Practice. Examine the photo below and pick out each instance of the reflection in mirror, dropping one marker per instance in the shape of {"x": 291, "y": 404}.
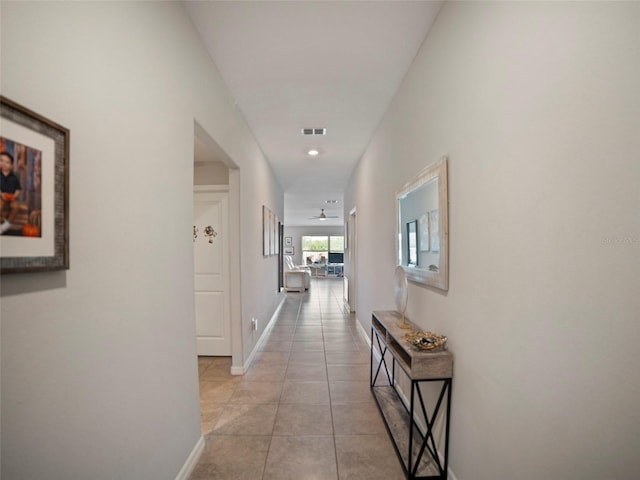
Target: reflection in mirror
{"x": 412, "y": 236}
{"x": 422, "y": 213}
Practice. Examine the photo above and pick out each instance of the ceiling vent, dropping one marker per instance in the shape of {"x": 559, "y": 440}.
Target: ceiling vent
{"x": 314, "y": 131}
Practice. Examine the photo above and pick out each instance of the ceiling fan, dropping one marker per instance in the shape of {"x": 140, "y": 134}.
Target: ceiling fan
{"x": 323, "y": 216}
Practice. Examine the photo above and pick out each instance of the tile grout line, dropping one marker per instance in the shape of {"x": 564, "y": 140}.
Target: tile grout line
{"x": 273, "y": 428}
{"x": 322, "y": 306}
{"x": 333, "y": 430}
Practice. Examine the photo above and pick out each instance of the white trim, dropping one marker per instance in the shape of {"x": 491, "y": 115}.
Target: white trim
{"x": 245, "y": 368}
{"x": 235, "y": 279}
{"x": 192, "y": 460}
{"x": 211, "y": 188}
{"x": 363, "y": 332}
{"x": 235, "y": 215}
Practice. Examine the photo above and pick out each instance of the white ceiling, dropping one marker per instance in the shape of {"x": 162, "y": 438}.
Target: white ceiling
{"x": 312, "y": 64}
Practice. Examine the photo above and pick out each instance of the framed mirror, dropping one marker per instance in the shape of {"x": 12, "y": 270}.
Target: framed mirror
{"x": 422, "y": 211}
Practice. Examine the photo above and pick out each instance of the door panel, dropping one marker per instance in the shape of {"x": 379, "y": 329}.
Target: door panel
{"x": 209, "y": 305}
{"x": 211, "y": 274}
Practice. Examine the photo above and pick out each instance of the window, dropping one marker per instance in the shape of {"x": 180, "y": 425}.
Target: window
{"x": 336, "y": 249}
{"x": 317, "y": 248}
{"x": 336, "y": 244}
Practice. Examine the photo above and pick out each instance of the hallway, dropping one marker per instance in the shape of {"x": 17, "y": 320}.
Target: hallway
{"x": 304, "y": 410}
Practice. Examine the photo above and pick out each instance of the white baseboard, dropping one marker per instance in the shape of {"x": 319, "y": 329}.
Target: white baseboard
{"x": 245, "y": 368}
{"x": 192, "y": 460}
{"x": 362, "y": 331}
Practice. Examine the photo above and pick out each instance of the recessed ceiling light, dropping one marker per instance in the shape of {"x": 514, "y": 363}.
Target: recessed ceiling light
{"x": 313, "y": 152}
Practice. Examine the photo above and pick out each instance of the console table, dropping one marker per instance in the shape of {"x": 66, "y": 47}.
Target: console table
{"x": 415, "y": 444}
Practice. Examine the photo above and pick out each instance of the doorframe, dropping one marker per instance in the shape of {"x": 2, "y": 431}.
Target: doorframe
{"x": 353, "y": 260}
{"x": 237, "y": 356}
{"x": 280, "y": 256}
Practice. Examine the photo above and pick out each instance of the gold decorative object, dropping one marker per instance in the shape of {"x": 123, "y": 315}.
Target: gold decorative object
{"x": 210, "y": 232}
{"x": 426, "y": 341}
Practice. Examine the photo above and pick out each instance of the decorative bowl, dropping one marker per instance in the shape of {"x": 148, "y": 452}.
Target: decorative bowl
{"x": 426, "y": 341}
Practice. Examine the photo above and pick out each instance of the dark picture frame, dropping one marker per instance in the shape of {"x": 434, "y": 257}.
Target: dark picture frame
{"x": 289, "y": 250}
{"x": 47, "y": 249}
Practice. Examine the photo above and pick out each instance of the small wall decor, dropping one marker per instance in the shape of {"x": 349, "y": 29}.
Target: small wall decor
{"x": 195, "y": 233}
{"x": 434, "y": 230}
{"x": 289, "y": 250}
{"x": 274, "y": 234}
{"x": 210, "y": 233}
{"x": 35, "y": 208}
{"x": 288, "y": 241}
{"x": 270, "y": 233}
{"x": 423, "y": 234}
{"x": 266, "y": 229}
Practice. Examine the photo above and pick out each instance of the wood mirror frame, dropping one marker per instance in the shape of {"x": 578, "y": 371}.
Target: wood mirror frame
{"x": 425, "y": 200}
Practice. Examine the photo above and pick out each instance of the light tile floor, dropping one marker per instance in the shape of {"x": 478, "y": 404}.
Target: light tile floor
{"x": 303, "y": 410}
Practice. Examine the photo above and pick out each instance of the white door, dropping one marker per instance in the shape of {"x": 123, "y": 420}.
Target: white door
{"x": 211, "y": 269}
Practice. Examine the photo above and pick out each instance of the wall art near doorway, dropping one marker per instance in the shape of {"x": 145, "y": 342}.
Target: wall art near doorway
{"x": 270, "y": 232}
{"x": 35, "y": 191}
{"x": 266, "y": 231}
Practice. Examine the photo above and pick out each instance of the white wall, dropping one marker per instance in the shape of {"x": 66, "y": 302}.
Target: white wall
{"x": 210, "y": 173}
{"x": 99, "y": 371}
{"x": 538, "y": 106}
{"x": 296, "y": 234}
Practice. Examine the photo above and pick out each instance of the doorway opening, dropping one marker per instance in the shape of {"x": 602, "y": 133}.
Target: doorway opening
{"x": 351, "y": 277}
{"x": 216, "y": 211}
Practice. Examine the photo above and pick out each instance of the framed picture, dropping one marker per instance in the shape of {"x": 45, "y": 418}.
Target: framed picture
{"x": 34, "y": 199}
{"x": 289, "y": 250}
{"x": 434, "y": 230}
{"x": 272, "y": 234}
{"x": 288, "y": 241}
{"x": 276, "y": 233}
{"x": 412, "y": 243}
{"x": 423, "y": 222}
{"x": 266, "y": 231}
